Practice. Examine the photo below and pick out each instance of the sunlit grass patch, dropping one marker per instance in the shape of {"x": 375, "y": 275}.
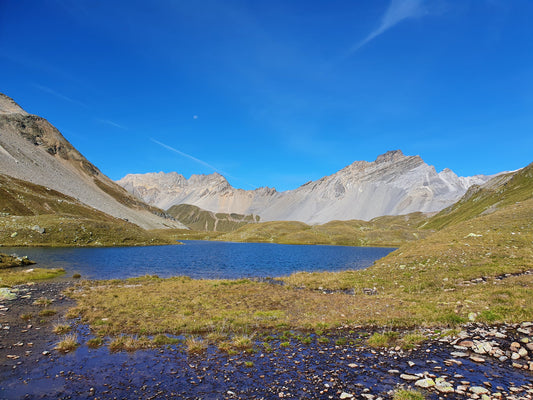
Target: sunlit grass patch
{"x": 129, "y": 343}
{"x": 242, "y": 342}
{"x": 68, "y": 343}
{"x": 219, "y": 310}
{"x": 411, "y": 340}
{"x": 61, "y": 329}
{"x": 385, "y": 339}
{"x": 19, "y": 277}
{"x": 47, "y": 312}
{"x": 195, "y": 344}
{"x": 408, "y": 395}
{"x": 407, "y": 341}
{"x": 42, "y": 301}
{"x": 95, "y": 342}
{"x": 161, "y": 340}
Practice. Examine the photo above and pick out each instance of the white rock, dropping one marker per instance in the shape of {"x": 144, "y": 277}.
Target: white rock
{"x": 459, "y": 354}
{"x": 394, "y": 184}
{"x": 479, "y": 390}
{"x": 409, "y": 377}
{"x": 425, "y": 383}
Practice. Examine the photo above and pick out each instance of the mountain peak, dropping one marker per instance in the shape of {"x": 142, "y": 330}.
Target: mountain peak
{"x": 389, "y": 156}
{"x": 9, "y": 106}
{"x": 393, "y": 184}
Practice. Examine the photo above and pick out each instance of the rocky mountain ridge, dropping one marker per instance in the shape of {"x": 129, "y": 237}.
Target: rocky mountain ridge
{"x": 32, "y": 150}
{"x": 393, "y": 184}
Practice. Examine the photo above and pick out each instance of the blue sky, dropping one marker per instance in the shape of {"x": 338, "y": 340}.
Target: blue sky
{"x": 276, "y": 93}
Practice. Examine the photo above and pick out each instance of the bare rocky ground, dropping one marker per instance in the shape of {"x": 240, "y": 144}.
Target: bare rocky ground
{"x": 479, "y": 362}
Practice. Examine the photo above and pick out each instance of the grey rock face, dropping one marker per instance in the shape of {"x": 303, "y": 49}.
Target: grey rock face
{"x": 393, "y": 184}
{"x": 33, "y": 150}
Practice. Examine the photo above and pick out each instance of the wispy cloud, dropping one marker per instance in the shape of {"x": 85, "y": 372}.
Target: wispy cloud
{"x": 109, "y": 122}
{"x": 181, "y": 153}
{"x": 398, "y": 11}
{"x": 205, "y": 164}
{"x": 59, "y": 95}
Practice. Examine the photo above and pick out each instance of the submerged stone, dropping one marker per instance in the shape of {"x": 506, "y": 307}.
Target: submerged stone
{"x": 7, "y": 294}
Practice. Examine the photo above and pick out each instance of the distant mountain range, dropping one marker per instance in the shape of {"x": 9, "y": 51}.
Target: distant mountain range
{"x": 393, "y": 184}
{"x": 32, "y": 150}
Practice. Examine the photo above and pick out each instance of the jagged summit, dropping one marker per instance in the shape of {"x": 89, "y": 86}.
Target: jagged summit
{"x": 393, "y": 184}
{"x": 9, "y": 106}
{"x": 390, "y": 156}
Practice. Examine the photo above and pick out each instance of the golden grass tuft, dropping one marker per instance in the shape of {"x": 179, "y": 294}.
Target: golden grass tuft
{"x": 68, "y": 343}
{"x": 408, "y": 395}
{"x": 47, "y": 312}
{"x": 129, "y": 343}
{"x": 195, "y": 344}
{"x": 42, "y": 301}
{"x": 61, "y": 329}
{"x": 94, "y": 343}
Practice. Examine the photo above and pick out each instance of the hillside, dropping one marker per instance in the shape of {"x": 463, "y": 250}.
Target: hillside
{"x": 32, "y": 150}
{"x": 393, "y": 184}
{"x": 201, "y": 220}
{"x": 501, "y": 191}
{"x": 480, "y": 267}
{"x": 483, "y": 247}
{"x": 34, "y": 215}
{"x": 390, "y": 231}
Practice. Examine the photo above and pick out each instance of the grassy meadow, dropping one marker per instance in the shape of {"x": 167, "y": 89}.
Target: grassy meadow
{"x": 389, "y": 231}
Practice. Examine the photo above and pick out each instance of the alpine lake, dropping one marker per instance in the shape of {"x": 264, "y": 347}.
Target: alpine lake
{"x": 201, "y": 259}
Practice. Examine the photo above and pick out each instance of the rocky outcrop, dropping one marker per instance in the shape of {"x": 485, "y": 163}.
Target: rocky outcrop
{"x": 393, "y": 184}
{"x": 10, "y": 261}
{"x": 31, "y": 149}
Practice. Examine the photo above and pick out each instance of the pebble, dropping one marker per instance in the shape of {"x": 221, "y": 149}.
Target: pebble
{"x": 477, "y": 359}
{"x": 409, "y": 377}
{"x": 345, "y": 395}
{"x": 442, "y": 386}
{"x": 425, "y": 383}
{"x": 465, "y": 343}
{"x": 458, "y": 354}
{"x": 479, "y": 390}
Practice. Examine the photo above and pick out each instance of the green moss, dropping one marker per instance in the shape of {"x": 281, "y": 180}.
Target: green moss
{"x": 11, "y": 278}
{"x": 408, "y": 395}
{"x": 94, "y": 343}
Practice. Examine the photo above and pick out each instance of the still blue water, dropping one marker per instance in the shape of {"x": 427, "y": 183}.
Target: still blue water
{"x": 202, "y": 259}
